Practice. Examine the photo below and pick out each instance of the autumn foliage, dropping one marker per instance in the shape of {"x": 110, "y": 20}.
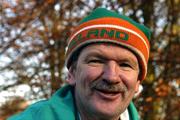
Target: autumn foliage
{"x": 33, "y": 38}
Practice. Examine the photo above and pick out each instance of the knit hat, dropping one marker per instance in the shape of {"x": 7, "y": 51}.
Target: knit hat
{"x": 107, "y": 26}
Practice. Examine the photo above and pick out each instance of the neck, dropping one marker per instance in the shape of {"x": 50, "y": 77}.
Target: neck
{"x": 85, "y": 115}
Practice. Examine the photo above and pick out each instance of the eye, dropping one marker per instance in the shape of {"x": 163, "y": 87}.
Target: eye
{"x": 126, "y": 65}
{"x": 92, "y": 60}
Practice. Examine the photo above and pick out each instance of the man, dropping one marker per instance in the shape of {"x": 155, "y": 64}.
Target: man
{"x": 107, "y": 60}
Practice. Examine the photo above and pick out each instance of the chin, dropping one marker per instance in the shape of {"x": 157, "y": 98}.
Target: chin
{"x": 108, "y": 110}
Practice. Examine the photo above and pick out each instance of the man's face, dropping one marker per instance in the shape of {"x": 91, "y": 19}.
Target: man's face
{"x": 105, "y": 80}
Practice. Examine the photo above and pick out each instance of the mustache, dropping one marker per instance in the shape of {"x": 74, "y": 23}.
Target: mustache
{"x": 105, "y": 86}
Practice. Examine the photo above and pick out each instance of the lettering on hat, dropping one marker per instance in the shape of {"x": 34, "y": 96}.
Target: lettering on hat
{"x": 99, "y": 34}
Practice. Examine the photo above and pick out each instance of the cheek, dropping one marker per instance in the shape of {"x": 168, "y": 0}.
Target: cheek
{"x": 130, "y": 80}
{"x": 84, "y": 77}
{"x": 93, "y": 73}
{"x": 88, "y": 74}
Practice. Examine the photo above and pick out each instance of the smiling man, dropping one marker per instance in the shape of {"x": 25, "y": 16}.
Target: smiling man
{"x": 107, "y": 59}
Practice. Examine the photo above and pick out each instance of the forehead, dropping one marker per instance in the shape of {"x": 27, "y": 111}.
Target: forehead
{"x": 111, "y": 51}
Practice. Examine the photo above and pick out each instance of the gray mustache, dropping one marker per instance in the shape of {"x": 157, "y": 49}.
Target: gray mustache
{"x": 108, "y": 87}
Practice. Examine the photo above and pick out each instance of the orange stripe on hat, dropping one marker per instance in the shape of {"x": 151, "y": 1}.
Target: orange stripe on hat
{"x": 112, "y": 21}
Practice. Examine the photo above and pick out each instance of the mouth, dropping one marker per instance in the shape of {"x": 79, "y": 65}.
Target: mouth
{"x": 108, "y": 94}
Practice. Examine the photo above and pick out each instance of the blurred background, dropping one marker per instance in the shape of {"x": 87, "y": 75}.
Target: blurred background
{"x": 33, "y": 36}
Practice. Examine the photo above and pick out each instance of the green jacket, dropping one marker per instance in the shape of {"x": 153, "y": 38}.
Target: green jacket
{"x": 59, "y": 107}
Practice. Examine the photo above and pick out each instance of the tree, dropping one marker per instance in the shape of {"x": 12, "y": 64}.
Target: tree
{"x": 12, "y": 106}
{"x": 33, "y": 37}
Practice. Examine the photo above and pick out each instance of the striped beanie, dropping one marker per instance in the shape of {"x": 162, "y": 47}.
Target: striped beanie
{"x": 107, "y": 26}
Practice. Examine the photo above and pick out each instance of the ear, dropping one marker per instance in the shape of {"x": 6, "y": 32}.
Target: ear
{"x": 70, "y": 77}
{"x": 137, "y": 86}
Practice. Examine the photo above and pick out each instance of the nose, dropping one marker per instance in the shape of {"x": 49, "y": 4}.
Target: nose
{"x": 110, "y": 73}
